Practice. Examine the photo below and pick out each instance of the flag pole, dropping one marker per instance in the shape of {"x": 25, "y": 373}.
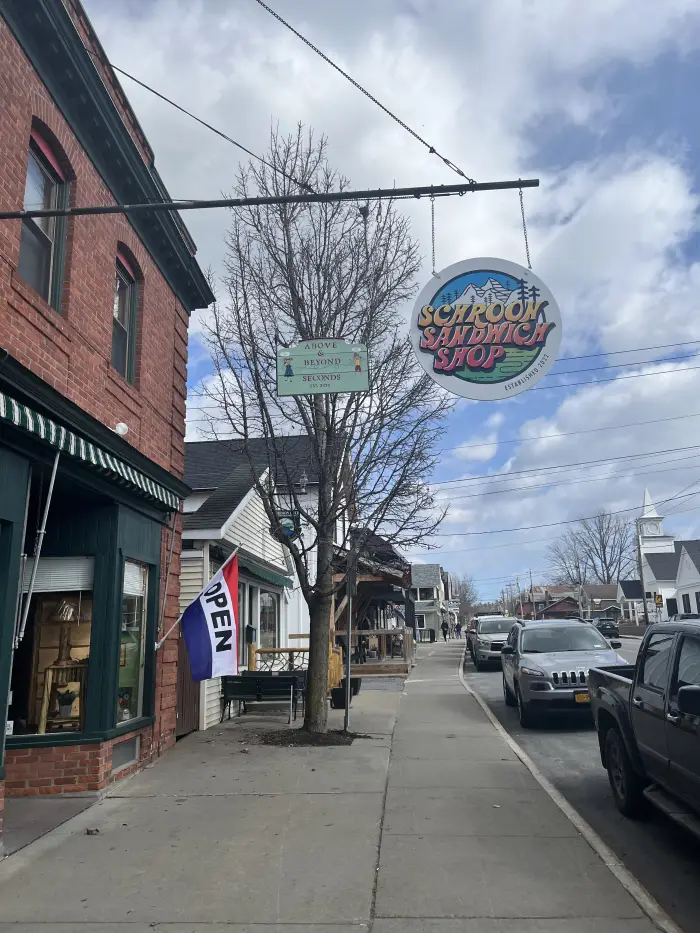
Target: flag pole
{"x": 159, "y": 644}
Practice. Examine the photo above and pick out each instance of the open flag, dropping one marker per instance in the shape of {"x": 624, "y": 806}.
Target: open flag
{"x": 210, "y": 626}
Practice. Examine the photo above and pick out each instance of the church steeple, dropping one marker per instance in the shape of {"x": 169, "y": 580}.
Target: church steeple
{"x": 648, "y": 507}
{"x": 651, "y": 528}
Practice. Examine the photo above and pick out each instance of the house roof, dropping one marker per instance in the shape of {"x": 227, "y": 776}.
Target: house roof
{"x": 425, "y": 575}
{"x": 693, "y": 549}
{"x": 209, "y": 463}
{"x": 664, "y": 566}
{"x": 600, "y": 590}
{"x": 215, "y": 511}
{"x": 631, "y": 589}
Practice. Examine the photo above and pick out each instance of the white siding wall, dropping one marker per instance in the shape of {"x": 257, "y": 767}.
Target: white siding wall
{"x": 251, "y": 529}
{"x": 191, "y": 578}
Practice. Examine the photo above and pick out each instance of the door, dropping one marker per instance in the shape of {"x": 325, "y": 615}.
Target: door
{"x": 187, "y": 693}
{"x": 508, "y": 660}
{"x": 682, "y": 729}
{"x": 671, "y": 607}
{"x": 648, "y": 707}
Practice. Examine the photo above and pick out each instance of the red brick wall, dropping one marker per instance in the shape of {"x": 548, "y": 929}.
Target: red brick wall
{"x": 73, "y": 769}
{"x": 72, "y": 352}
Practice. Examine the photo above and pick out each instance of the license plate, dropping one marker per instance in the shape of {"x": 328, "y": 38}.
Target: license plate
{"x": 581, "y": 698}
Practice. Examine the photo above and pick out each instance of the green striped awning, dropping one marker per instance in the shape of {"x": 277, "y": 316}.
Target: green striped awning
{"x": 76, "y": 446}
{"x": 263, "y": 574}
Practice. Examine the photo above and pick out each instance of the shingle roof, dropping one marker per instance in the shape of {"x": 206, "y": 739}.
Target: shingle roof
{"x": 600, "y": 590}
{"x": 693, "y": 549}
{"x": 214, "y": 512}
{"x": 665, "y": 566}
{"x": 631, "y": 589}
{"x": 425, "y": 575}
{"x": 209, "y": 463}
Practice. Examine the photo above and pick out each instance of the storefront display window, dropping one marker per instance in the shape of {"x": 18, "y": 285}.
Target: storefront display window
{"x": 132, "y": 644}
{"x": 269, "y": 620}
{"x": 50, "y": 669}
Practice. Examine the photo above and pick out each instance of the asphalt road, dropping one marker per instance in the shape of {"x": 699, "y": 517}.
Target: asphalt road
{"x": 665, "y": 859}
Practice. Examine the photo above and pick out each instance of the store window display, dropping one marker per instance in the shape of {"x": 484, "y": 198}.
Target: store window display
{"x": 132, "y": 645}
{"x": 50, "y": 669}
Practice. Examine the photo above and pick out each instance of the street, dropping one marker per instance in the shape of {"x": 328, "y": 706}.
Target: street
{"x": 665, "y": 859}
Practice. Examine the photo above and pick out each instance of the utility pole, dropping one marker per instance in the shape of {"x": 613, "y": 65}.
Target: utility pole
{"x": 520, "y": 596}
{"x": 641, "y": 572}
{"x": 580, "y": 607}
{"x": 532, "y": 599}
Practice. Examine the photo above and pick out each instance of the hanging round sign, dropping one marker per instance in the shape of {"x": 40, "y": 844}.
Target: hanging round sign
{"x": 486, "y": 329}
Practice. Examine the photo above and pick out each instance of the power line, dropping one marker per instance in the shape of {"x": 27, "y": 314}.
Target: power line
{"x": 564, "y": 466}
{"x": 591, "y": 382}
{"x": 595, "y": 369}
{"x": 376, "y": 194}
{"x": 544, "y": 437}
{"x": 574, "y": 482}
{"x": 405, "y": 126}
{"x": 218, "y": 132}
{"x": 659, "y": 346}
{"x": 568, "y": 521}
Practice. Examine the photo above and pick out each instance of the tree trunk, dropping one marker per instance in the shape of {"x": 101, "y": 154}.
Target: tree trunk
{"x": 316, "y": 717}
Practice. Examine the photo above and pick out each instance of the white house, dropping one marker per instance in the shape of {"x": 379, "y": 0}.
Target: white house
{"x": 688, "y": 578}
{"x": 225, "y": 511}
{"x": 428, "y": 592}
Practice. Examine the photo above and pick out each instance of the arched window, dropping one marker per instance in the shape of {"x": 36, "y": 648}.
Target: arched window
{"x": 125, "y": 316}
{"x": 42, "y": 244}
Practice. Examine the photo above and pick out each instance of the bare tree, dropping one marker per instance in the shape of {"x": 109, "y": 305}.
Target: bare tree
{"x": 324, "y": 270}
{"x": 464, "y": 590}
{"x": 567, "y": 560}
{"x": 599, "y": 549}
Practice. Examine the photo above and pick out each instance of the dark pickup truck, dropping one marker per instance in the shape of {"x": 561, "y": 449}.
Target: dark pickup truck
{"x": 648, "y": 722}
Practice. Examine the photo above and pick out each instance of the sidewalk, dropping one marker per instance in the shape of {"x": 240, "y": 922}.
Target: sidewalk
{"x": 442, "y": 830}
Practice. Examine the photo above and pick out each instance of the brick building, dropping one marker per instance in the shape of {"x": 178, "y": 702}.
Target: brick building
{"x": 93, "y": 335}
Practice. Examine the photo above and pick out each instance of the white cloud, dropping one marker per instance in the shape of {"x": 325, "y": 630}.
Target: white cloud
{"x": 477, "y": 80}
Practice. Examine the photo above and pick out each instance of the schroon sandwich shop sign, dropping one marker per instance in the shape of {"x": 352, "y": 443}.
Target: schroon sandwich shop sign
{"x": 486, "y": 329}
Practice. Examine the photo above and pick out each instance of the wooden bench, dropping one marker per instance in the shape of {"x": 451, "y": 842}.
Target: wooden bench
{"x": 258, "y": 687}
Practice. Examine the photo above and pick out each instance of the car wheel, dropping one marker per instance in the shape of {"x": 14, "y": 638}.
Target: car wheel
{"x": 508, "y": 693}
{"x": 525, "y": 714}
{"x": 478, "y": 664}
{"x": 625, "y": 783}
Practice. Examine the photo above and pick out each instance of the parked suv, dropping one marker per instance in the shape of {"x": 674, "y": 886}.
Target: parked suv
{"x": 546, "y": 664}
{"x": 607, "y": 626}
{"x": 486, "y": 637}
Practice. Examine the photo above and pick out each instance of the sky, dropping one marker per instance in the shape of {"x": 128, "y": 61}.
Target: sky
{"x": 595, "y": 99}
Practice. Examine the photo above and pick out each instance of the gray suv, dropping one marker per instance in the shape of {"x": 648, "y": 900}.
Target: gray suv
{"x": 486, "y": 637}
{"x": 546, "y": 664}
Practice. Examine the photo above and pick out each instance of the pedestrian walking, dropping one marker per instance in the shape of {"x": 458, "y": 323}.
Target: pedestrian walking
{"x": 445, "y": 629}
{"x": 458, "y": 630}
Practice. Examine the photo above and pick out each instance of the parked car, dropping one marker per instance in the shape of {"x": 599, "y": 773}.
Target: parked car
{"x": 546, "y": 664}
{"x": 683, "y": 616}
{"x": 607, "y": 626}
{"x": 647, "y": 719}
{"x": 486, "y": 637}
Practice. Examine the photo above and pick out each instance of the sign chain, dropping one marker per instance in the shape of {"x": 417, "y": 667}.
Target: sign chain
{"x": 527, "y": 245}
{"x": 432, "y": 221}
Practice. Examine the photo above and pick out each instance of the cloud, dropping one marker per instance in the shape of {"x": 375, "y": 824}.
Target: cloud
{"x": 610, "y": 225}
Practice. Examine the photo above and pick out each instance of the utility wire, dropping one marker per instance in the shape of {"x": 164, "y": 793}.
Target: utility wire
{"x": 405, "y": 126}
{"x": 595, "y": 382}
{"x": 556, "y": 473}
{"x": 660, "y": 346}
{"x": 572, "y": 482}
{"x": 546, "y": 437}
{"x": 560, "y": 466}
{"x": 568, "y": 521}
{"x": 193, "y": 116}
{"x": 596, "y": 369}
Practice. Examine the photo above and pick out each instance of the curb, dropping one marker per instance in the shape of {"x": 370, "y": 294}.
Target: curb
{"x": 653, "y": 910}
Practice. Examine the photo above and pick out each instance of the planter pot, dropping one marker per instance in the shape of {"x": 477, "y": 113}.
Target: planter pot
{"x": 65, "y": 711}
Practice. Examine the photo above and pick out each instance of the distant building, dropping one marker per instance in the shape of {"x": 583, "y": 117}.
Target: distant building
{"x": 428, "y": 590}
